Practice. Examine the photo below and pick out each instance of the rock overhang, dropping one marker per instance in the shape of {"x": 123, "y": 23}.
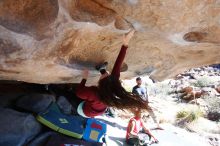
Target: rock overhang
{"x": 52, "y": 41}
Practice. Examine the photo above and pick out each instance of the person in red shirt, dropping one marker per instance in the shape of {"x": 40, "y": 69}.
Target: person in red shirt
{"x": 135, "y": 126}
{"x": 109, "y": 92}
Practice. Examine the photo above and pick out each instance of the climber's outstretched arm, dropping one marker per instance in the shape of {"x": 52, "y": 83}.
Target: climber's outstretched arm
{"x": 122, "y": 53}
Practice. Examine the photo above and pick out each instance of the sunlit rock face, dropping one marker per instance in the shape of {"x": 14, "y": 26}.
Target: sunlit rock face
{"x": 51, "y": 41}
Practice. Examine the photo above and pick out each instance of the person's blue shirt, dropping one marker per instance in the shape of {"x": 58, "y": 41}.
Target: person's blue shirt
{"x": 141, "y": 91}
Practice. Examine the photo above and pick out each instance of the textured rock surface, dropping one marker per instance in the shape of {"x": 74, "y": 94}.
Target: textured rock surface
{"x": 50, "y": 41}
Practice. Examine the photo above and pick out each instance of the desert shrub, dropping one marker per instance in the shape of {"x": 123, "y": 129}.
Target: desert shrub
{"x": 205, "y": 81}
{"x": 181, "y": 114}
{"x": 213, "y": 108}
{"x": 188, "y": 116}
{"x": 194, "y": 116}
{"x": 160, "y": 89}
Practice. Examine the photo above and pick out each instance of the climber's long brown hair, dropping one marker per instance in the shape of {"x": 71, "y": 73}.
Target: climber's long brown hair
{"x": 113, "y": 94}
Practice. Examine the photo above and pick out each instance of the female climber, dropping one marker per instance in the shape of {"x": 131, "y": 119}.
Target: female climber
{"x": 109, "y": 92}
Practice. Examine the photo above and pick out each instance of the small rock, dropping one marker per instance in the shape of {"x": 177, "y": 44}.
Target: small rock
{"x": 35, "y": 102}
{"x": 213, "y": 141}
{"x": 17, "y": 128}
{"x": 217, "y": 89}
{"x": 214, "y": 116}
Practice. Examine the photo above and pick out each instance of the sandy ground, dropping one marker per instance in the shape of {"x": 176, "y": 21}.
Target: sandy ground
{"x": 170, "y": 136}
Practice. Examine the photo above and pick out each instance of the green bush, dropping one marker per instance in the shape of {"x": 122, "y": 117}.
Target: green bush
{"x": 182, "y": 114}
{"x": 189, "y": 116}
{"x": 194, "y": 116}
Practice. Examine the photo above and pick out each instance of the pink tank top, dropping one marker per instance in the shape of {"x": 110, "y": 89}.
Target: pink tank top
{"x": 137, "y": 127}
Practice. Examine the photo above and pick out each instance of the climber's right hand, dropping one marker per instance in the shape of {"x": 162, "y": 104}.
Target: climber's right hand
{"x": 127, "y": 37}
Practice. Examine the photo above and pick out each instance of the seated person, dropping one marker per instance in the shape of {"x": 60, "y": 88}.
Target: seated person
{"x": 135, "y": 126}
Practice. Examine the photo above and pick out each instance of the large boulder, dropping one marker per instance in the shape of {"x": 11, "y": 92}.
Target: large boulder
{"x": 35, "y": 102}
{"x": 8, "y": 100}
{"x": 17, "y": 128}
{"x": 42, "y": 139}
{"x": 51, "y": 41}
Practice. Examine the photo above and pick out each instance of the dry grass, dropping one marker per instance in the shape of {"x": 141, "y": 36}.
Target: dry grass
{"x": 188, "y": 116}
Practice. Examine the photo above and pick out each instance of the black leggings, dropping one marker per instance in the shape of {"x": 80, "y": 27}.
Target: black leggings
{"x": 102, "y": 71}
{"x": 133, "y": 141}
